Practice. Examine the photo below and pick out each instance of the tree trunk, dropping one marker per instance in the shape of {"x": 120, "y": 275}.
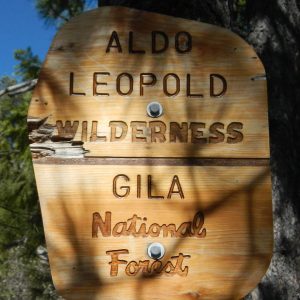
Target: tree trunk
{"x": 273, "y": 29}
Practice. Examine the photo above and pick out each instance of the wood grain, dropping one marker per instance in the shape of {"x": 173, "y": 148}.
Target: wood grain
{"x": 226, "y": 264}
{"x": 215, "y": 51}
{"x": 112, "y": 180}
{"x": 149, "y": 161}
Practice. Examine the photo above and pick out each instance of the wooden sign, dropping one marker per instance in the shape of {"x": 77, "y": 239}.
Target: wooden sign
{"x": 150, "y": 144}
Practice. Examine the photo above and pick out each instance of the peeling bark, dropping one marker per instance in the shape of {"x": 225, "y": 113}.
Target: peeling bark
{"x": 19, "y": 88}
{"x": 43, "y": 143}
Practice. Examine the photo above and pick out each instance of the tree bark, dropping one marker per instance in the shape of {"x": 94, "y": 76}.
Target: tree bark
{"x": 273, "y": 29}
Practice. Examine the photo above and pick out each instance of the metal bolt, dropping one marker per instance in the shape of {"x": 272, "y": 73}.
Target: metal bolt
{"x": 156, "y": 250}
{"x": 154, "y": 109}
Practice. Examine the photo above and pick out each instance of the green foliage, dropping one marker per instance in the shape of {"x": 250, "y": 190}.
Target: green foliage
{"x": 22, "y": 276}
{"x": 59, "y": 11}
{"x": 18, "y": 198}
{"x": 241, "y": 2}
{"x": 29, "y": 64}
{"x": 6, "y": 81}
{"x": 23, "y": 273}
{"x": 25, "y": 277}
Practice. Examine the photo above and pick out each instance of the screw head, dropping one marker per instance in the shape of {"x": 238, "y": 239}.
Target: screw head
{"x": 156, "y": 251}
{"x": 154, "y": 109}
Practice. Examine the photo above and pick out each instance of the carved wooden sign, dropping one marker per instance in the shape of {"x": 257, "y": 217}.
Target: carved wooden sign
{"x": 149, "y": 137}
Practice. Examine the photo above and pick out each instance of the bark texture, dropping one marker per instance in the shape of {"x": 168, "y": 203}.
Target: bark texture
{"x": 273, "y": 29}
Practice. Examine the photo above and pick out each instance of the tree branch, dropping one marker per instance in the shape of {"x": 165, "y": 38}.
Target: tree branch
{"x": 19, "y": 88}
{"x": 64, "y": 18}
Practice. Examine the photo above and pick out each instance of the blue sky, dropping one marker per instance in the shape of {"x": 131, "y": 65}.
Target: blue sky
{"x": 20, "y": 27}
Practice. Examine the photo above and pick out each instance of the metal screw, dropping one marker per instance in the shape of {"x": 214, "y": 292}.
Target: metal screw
{"x": 156, "y": 251}
{"x": 154, "y": 109}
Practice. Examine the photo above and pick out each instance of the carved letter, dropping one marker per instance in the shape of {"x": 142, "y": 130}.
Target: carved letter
{"x": 168, "y": 269}
{"x": 138, "y": 186}
{"x": 71, "y": 87}
{"x": 150, "y": 196}
{"x": 212, "y": 86}
{"x": 152, "y": 81}
{"x": 130, "y": 46}
{"x": 218, "y": 135}
{"x": 114, "y": 37}
{"x": 132, "y": 227}
{"x": 171, "y": 228}
{"x": 144, "y": 265}
{"x": 68, "y": 131}
{"x": 188, "y": 88}
{"x": 156, "y": 267}
{"x": 177, "y": 85}
{"x": 197, "y": 133}
{"x": 154, "y": 230}
{"x": 178, "y": 267}
{"x": 236, "y": 136}
{"x": 105, "y": 226}
{"x": 130, "y": 81}
{"x": 121, "y": 136}
{"x": 143, "y": 230}
{"x": 184, "y": 229}
{"x": 158, "y": 130}
{"x": 179, "y": 191}
{"x": 154, "y": 42}
{"x": 178, "y": 132}
{"x": 198, "y": 223}
{"x": 96, "y": 83}
{"x": 183, "y": 42}
{"x": 138, "y": 131}
{"x": 116, "y": 232}
{"x": 126, "y": 188}
{"x": 84, "y": 131}
{"x": 115, "y": 262}
{"x": 132, "y": 268}
{"x": 94, "y": 134}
